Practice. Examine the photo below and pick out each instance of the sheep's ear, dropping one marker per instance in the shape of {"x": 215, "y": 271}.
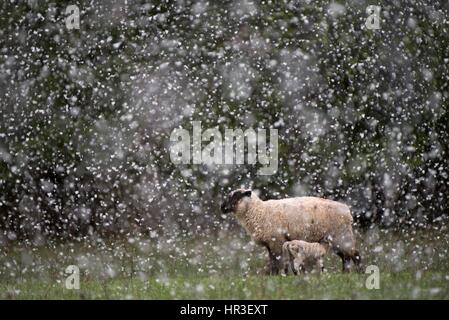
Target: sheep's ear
{"x": 247, "y": 193}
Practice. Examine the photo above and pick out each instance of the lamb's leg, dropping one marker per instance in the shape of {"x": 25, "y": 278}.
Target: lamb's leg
{"x": 275, "y": 255}
{"x": 320, "y": 266}
{"x": 298, "y": 265}
{"x": 267, "y": 270}
{"x": 285, "y": 259}
{"x": 295, "y": 272}
{"x": 286, "y": 264}
{"x": 344, "y": 245}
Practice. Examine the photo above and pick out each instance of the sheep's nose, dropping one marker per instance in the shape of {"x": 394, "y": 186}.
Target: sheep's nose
{"x": 223, "y": 207}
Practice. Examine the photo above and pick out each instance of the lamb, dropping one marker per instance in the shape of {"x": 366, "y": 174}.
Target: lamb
{"x": 270, "y": 223}
{"x": 298, "y": 255}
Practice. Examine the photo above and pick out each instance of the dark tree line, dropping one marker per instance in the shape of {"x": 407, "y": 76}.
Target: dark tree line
{"x": 86, "y": 114}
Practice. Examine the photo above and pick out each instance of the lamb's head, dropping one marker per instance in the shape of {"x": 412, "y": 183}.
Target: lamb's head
{"x": 233, "y": 199}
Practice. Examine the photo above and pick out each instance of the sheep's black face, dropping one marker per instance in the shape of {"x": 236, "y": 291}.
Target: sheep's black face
{"x": 233, "y": 198}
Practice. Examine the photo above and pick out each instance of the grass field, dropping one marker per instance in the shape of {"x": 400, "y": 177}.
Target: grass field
{"x": 413, "y": 265}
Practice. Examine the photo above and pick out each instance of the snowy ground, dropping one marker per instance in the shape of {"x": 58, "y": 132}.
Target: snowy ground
{"x": 412, "y": 265}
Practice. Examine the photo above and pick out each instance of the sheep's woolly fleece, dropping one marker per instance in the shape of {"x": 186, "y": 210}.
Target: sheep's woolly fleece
{"x": 310, "y": 219}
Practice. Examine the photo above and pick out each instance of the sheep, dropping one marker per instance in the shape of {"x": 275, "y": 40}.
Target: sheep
{"x": 299, "y": 255}
{"x": 270, "y": 223}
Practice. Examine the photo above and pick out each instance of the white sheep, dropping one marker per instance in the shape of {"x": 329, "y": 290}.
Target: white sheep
{"x": 298, "y": 255}
{"x": 270, "y": 223}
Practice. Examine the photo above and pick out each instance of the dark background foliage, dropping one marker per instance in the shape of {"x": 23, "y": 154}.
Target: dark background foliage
{"x": 86, "y": 114}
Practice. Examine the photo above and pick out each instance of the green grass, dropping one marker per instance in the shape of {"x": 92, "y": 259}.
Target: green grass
{"x": 404, "y": 285}
{"x": 413, "y": 265}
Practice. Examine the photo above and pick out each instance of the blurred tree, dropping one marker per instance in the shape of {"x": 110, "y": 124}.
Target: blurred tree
{"x": 86, "y": 114}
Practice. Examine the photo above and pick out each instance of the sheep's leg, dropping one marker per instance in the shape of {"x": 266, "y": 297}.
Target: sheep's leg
{"x": 267, "y": 270}
{"x": 346, "y": 261}
{"x": 276, "y": 263}
{"x": 276, "y": 260}
{"x": 270, "y": 261}
{"x": 291, "y": 264}
{"x": 275, "y": 255}
{"x": 356, "y": 259}
{"x": 286, "y": 265}
{"x": 294, "y": 268}
{"x": 274, "y": 268}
